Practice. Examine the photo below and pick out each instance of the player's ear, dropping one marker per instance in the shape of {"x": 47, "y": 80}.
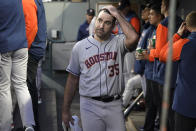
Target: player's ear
{"x": 113, "y": 25}
{"x": 188, "y": 29}
{"x": 112, "y": 28}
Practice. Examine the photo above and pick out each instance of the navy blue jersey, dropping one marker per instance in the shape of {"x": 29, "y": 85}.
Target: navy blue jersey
{"x": 149, "y": 64}
{"x": 184, "y": 97}
{"x": 83, "y": 31}
{"x": 139, "y": 65}
{"x": 12, "y": 26}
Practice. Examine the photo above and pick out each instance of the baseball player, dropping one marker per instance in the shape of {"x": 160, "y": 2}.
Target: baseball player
{"x": 96, "y": 68}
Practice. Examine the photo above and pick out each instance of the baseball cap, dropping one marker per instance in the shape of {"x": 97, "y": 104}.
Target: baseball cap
{"x": 90, "y": 12}
{"x": 123, "y": 3}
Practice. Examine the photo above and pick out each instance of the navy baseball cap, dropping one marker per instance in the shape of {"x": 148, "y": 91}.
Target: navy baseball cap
{"x": 90, "y": 12}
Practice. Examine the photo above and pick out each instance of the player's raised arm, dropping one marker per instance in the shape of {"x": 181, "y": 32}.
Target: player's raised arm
{"x": 70, "y": 89}
{"x": 130, "y": 33}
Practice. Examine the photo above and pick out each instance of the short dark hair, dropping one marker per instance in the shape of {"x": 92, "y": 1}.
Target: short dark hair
{"x": 166, "y": 2}
{"x": 191, "y": 19}
{"x": 156, "y": 7}
{"x": 143, "y": 6}
{"x": 107, "y": 11}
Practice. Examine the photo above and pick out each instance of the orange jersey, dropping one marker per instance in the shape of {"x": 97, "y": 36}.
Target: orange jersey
{"x": 162, "y": 36}
{"x": 30, "y": 14}
{"x": 161, "y": 40}
{"x": 178, "y": 43}
{"x": 136, "y": 24}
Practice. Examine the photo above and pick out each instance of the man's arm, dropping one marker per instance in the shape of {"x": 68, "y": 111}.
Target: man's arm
{"x": 70, "y": 89}
{"x": 30, "y": 14}
{"x": 130, "y": 33}
{"x": 176, "y": 47}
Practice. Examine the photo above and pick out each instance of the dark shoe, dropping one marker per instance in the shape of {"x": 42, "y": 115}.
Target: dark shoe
{"x": 141, "y": 129}
{"x": 19, "y": 129}
{"x": 36, "y": 128}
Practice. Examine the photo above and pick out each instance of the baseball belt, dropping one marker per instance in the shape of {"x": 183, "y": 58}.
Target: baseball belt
{"x": 106, "y": 98}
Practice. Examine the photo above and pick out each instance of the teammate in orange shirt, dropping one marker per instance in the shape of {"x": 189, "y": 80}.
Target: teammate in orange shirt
{"x": 130, "y": 16}
{"x": 184, "y": 52}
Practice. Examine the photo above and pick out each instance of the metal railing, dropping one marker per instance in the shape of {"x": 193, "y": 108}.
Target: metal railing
{"x": 166, "y": 90}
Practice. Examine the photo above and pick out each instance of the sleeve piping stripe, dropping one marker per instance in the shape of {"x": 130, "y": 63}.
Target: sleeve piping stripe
{"x": 72, "y": 72}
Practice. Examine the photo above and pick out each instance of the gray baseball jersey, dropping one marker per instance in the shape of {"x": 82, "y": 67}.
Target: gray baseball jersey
{"x": 99, "y": 66}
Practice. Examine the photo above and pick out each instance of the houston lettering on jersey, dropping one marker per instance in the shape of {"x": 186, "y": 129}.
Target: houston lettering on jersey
{"x": 100, "y": 57}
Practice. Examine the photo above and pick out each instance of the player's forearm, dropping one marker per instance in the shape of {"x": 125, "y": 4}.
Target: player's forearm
{"x": 130, "y": 33}
{"x": 70, "y": 89}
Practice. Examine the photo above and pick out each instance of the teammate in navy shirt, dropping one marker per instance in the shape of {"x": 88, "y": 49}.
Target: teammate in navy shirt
{"x": 83, "y": 31}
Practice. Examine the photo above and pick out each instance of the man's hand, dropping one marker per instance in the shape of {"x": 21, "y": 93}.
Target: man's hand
{"x": 142, "y": 56}
{"x": 131, "y": 36}
{"x": 69, "y": 92}
{"x": 145, "y": 54}
{"x": 114, "y": 12}
{"x": 66, "y": 118}
{"x": 139, "y": 56}
{"x": 182, "y": 29}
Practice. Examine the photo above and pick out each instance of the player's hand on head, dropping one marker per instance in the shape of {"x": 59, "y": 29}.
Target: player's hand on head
{"x": 66, "y": 118}
{"x": 114, "y": 12}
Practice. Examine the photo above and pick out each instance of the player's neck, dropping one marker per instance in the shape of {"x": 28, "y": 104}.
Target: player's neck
{"x": 101, "y": 39}
{"x": 193, "y": 30}
{"x": 166, "y": 14}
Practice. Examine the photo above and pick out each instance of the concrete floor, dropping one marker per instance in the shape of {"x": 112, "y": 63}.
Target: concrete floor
{"x": 137, "y": 118}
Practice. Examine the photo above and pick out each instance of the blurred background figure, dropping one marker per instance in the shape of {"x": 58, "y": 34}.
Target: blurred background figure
{"x": 145, "y": 11}
{"x": 138, "y": 79}
{"x": 130, "y": 16}
{"x": 83, "y": 31}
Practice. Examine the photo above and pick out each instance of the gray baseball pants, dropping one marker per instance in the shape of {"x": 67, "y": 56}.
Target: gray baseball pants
{"x": 101, "y": 116}
{"x": 13, "y": 71}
